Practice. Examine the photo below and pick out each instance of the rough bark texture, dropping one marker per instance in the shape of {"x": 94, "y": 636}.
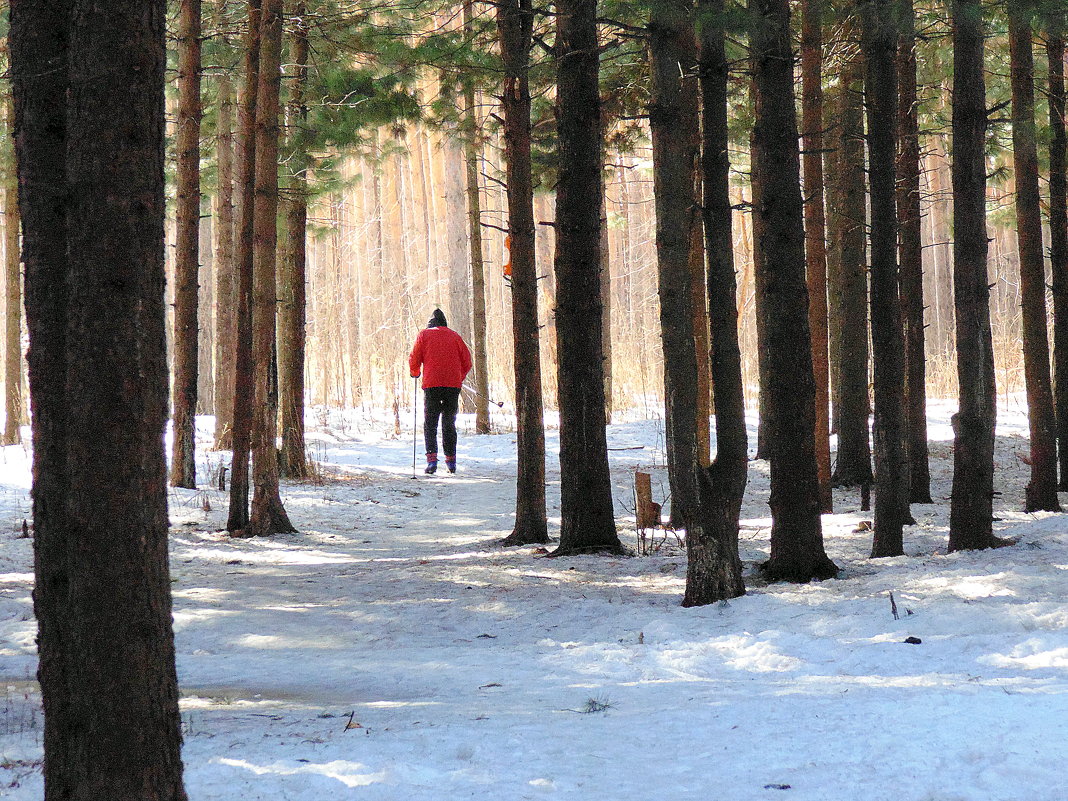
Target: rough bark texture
{"x": 971, "y": 509}
{"x": 225, "y": 275}
{"x": 587, "y": 520}
{"x": 292, "y": 307}
{"x": 888, "y": 345}
{"x": 815, "y": 231}
{"x": 797, "y": 552}
{"x": 1042, "y": 488}
{"x": 187, "y": 248}
{"x": 13, "y": 414}
{"x": 1058, "y": 234}
{"x": 268, "y": 515}
{"x": 713, "y": 566}
{"x": 910, "y": 266}
{"x": 96, "y": 273}
{"x": 673, "y": 120}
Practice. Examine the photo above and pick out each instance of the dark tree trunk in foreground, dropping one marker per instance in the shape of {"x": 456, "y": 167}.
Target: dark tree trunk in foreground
{"x": 225, "y": 274}
{"x": 673, "y": 109}
{"x": 587, "y": 518}
{"x": 244, "y": 191}
{"x": 815, "y": 231}
{"x": 910, "y": 266}
{"x": 971, "y": 509}
{"x": 12, "y": 302}
{"x": 1042, "y": 489}
{"x": 853, "y": 459}
{"x": 187, "y": 248}
{"x": 1058, "y": 233}
{"x": 268, "y": 515}
{"x": 797, "y": 552}
{"x": 103, "y": 591}
{"x": 292, "y": 307}
{"x": 888, "y": 342}
{"x": 713, "y": 567}
{"x": 515, "y": 21}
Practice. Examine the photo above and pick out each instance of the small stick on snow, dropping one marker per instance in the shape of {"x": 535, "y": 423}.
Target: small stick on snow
{"x": 893, "y": 606}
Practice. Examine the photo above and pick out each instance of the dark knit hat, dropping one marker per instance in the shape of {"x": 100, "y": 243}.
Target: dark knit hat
{"x": 437, "y": 319}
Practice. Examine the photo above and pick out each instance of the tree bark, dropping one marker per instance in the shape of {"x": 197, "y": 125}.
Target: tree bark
{"x": 797, "y": 552}
{"x": 971, "y": 508}
{"x": 268, "y": 515}
{"x": 1058, "y": 233}
{"x": 910, "y": 256}
{"x": 225, "y": 275}
{"x": 888, "y": 345}
{"x": 515, "y": 22}
{"x": 1041, "y": 491}
{"x": 12, "y": 302}
{"x": 713, "y": 566}
{"x": 587, "y": 516}
{"x": 187, "y": 249}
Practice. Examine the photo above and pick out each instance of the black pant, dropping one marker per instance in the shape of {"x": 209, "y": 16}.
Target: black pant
{"x": 441, "y": 402}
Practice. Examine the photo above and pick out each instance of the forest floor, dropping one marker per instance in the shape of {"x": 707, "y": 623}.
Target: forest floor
{"x": 392, "y": 650}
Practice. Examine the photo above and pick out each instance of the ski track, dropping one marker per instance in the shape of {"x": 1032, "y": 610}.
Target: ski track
{"x": 469, "y": 670}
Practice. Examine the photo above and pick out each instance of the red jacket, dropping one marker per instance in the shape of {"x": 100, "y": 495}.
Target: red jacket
{"x": 443, "y": 356}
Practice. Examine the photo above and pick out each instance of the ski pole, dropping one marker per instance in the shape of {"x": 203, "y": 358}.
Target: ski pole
{"x": 499, "y": 404}
{"x": 415, "y": 421}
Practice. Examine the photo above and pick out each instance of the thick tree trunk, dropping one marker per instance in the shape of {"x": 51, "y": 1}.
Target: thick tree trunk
{"x": 673, "y": 120}
{"x": 268, "y": 515}
{"x": 971, "y": 509}
{"x": 12, "y": 302}
{"x": 587, "y": 516}
{"x": 1042, "y": 489}
{"x": 797, "y": 552}
{"x": 243, "y": 258}
{"x": 910, "y": 257}
{"x": 815, "y": 231}
{"x": 225, "y": 275}
{"x": 293, "y": 462}
{"x": 1058, "y": 233}
{"x": 888, "y": 345}
{"x": 187, "y": 249}
{"x": 713, "y": 566}
{"x": 515, "y": 20}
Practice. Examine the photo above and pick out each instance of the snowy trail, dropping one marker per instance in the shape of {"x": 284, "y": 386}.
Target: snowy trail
{"x": 470, "y": 671}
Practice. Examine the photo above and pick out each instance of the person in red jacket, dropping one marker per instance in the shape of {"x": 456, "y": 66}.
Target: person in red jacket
{"x": 441, "y": 355}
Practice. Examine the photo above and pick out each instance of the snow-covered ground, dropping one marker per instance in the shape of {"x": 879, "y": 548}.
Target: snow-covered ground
{"x": 391, "y": 650}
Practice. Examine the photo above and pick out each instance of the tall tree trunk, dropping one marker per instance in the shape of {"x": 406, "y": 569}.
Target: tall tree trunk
{"x": 713, "y": 566}
{"x": 673, "y": 109}
{"x": 797, "y": 552}
{"x": 112, "y": 725}
{"x": 587, "y": 516}
{"x": 39, "y": 37}
{"x": 268, "y": 515}
{"x": 606, "y": 306}
{"x": 187, "y": 248}
{"x": 12, "y": 301}
{"x": 815, "y": 233}
{"x": 853, "y": 463}
{"x": 293, "y": 462}
{"x": 478, "y": 273}
{"x": 701, "y": 333}
{"x": 1058, "y": 232}
{"x": 243, "y": 232}
{"x": 1042, "y": 489}
{"x": 832, "y": 187}
{"x": 888, "y": 345}
{"x": 910, "y": 256}
{"x": 225, "y": 275}
{"x": 971, "y": 509}
{"x": 760, "y": 301}
{"x": 515, "y": 22}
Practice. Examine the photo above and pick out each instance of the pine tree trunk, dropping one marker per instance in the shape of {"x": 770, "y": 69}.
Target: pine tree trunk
{"x": 293, "y": 462}
{"x": 797, "y": 552}
{"x": 832, "y": 186}
{"x": 910, "y": 257}
{"x": 187, "y": 249}
{"x": 673, "y": 108}
{"x": 587, "y": 516}
{"x": 760, "y": 301}
{"x": 815, "y": 233}
{"x": 1042, "y": 489}
{"x": 713, "y": 566}
{"x": 225, "y": 275}
{"x": 268, "y": 515}
{"x": 1058, "y": 233}
{"x": 515, "y": 20}
{"x": 971, "y": 509}
{"x": 701, "y": 334}
{"x": 12, "y": 301}
{"x": 888, "y": 344}
{"x": 606, "y": 306}
{"x": 244, "y": 210}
